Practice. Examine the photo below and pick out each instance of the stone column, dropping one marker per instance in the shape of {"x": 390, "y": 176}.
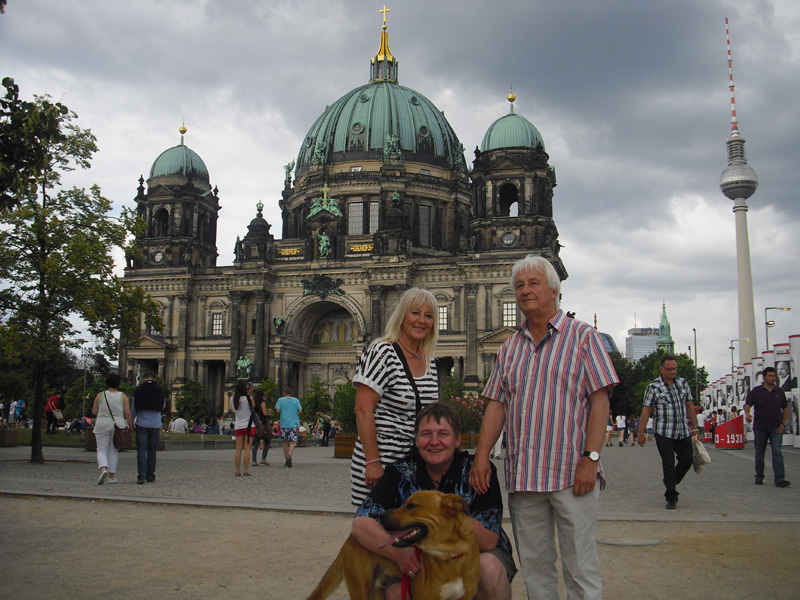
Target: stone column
{"x": 470, "y": 314}
{"x": 458, "y": 322}
{"x": 182, "y": 339}
{"x": 377, "y": 293}
{"x": 487, "y": 326}
{"x": 258, "y": 372}
{"x": 236, "y": 336}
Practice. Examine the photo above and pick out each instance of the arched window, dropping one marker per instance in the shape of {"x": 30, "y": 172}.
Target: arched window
{"x": 508, "y": 203}
{"x": 161, "y": 223}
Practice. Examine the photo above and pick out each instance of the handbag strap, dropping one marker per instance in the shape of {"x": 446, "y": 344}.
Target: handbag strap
{"x": 108, "y": 405}
{"x": 410, "y": 377}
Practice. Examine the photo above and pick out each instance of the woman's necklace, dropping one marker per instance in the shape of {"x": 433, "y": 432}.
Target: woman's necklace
{"x": 414, "y": 354}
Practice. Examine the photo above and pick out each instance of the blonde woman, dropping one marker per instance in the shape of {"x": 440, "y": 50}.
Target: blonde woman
{"x": 386, "y": 400}
{"x": 111, "y": 407}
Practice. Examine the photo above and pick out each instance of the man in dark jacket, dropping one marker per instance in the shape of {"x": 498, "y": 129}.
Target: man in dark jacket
{"x": 149, "y": 401}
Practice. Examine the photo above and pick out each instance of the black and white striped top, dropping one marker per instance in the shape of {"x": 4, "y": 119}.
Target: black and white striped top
{"x": 380, "y": 369}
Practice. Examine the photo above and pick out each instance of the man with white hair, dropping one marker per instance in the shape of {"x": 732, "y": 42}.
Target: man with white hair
{"x": 549, "y": 387}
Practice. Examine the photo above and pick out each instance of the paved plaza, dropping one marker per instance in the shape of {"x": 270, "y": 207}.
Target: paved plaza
{"x": 724, "y": 491}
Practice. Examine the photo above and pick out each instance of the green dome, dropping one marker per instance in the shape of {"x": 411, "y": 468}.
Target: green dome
{"x": 357, "y": 126}
{"x": 180, "y": 160}
{"x": 511, "y": 131}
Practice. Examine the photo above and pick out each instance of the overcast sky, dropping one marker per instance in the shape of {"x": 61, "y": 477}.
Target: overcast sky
{"x": 630, "y": 97}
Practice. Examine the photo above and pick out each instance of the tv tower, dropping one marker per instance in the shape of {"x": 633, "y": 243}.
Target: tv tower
{"x": 738, "y": 182}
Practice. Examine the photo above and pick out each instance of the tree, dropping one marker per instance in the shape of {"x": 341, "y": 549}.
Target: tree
{"x": 56, "y": 255}
{"x": 27, "y": 130}
{"x": 270, "y": 389}
{"x": 344, "y": 410}
{"x": 623, "y": 399}
{"x": 191, "y": 401}
{"x": 316, "y": 400}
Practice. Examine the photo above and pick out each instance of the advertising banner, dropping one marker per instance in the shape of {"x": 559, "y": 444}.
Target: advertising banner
{"x": 730, "y": 434}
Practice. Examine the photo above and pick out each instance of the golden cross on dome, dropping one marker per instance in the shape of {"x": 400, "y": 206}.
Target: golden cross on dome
{"x": 325, "y": 189}
{"x": 384, "y": 10}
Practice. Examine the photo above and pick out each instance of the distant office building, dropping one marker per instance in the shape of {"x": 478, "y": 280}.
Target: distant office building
{"x": 640, "y": 342}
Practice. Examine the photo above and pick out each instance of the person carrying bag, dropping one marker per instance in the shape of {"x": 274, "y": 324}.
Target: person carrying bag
{"x": 107, "y": 431}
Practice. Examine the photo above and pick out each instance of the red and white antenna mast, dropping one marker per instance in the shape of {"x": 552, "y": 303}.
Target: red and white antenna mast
{"x": 734, "y": 122}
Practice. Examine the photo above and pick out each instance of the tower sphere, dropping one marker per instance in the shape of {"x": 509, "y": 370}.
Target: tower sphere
{"x": 738, "y": 181}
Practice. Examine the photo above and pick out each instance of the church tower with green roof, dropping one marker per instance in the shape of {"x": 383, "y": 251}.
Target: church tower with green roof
{"x": 665, "y": 341}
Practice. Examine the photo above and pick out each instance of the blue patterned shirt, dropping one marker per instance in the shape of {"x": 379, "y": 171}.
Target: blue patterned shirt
{"x": 403, "y": 478}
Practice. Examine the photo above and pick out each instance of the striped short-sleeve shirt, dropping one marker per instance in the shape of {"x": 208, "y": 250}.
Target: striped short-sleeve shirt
{"x": 380, "y": 369}
{"x": 546, "y": 390}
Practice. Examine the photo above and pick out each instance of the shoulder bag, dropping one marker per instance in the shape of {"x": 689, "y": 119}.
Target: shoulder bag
{"x": 122, "y": 436}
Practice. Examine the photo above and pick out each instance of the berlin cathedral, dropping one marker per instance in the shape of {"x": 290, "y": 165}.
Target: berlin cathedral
{"x": 379, "y": 199}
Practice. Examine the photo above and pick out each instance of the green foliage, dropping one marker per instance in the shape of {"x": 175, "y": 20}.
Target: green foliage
{"x": 13, "y": 386}
{"x": 452, "y": 387}
{"x": 470, "y": 409}
{"x": 270, "y": 388}
{"x": 191, "y": 401}
{"x": 634, "y": 378}
{"x": 623, "y": 398}
{"x": 79, "y": 397}
{"x": 317, "y": 399}
{"x": 345, "y": 407}
{"x": 28, "y": 130}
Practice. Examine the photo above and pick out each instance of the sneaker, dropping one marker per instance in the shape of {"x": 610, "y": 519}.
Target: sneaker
{"x": 113, "y": 480}
{"x": 782, "y": 483}
{"x": 139, "y": 481}
{"x": 759, "y": 481}
{"x": 671, "y": 504}
{"x": 103, "y": 477}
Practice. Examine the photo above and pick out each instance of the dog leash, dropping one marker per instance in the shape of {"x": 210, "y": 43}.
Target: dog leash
{"x": 405, "y": 582}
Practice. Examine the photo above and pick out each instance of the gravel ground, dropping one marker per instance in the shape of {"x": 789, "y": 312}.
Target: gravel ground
{"x": 132, "y": 550}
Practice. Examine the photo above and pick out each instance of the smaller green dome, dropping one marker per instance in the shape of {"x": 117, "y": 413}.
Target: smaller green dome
{"x": 511, "y": 131}
{"x": 180, "y": 160}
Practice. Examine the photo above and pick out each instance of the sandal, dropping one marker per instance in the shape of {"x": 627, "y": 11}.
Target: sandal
{"x": 254, "y": 465}
{"x": 263, "y": 462}
{"x": 246, "y": 474}
{"x": 238, "y": 474}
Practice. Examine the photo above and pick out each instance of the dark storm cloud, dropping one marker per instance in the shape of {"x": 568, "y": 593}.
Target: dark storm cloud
{"x": 630, "y": 97}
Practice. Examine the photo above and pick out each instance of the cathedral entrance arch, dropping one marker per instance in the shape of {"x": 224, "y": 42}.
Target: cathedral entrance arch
{"x": 322, "y": 340}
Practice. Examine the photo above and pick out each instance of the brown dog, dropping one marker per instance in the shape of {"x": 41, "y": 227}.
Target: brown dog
{"x": 438, "y": 525}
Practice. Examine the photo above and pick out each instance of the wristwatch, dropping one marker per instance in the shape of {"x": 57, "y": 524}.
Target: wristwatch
{"x": 593, "y": 456}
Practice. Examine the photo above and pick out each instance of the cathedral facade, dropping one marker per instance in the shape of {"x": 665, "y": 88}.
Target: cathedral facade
{"x": 379, "y": 199}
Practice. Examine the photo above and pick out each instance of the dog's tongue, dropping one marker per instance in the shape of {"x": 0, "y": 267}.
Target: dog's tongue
{"x": 399, "y": 536}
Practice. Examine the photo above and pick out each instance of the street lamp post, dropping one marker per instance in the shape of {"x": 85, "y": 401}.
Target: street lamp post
{"x": 732, "y": 348}
{"x": 85, "y": 356}
{"x": 696, "y": 380}
{"x": 768, "y": 323}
